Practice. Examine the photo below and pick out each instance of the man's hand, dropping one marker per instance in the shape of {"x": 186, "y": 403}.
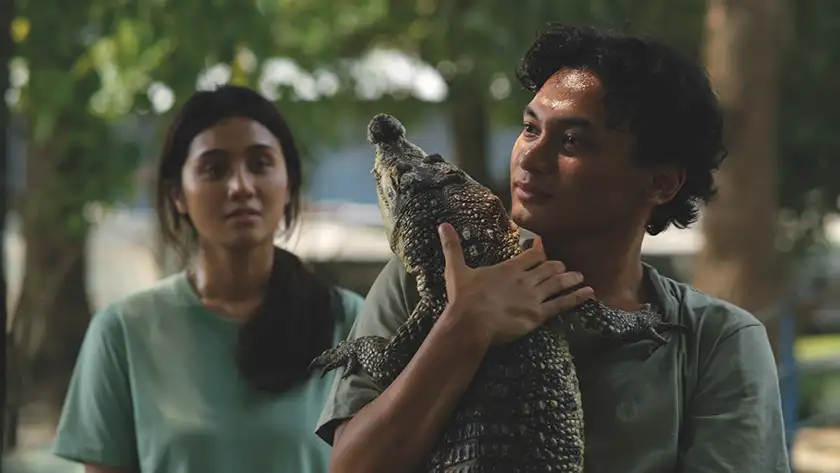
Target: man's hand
{"x": 509, "y": 300}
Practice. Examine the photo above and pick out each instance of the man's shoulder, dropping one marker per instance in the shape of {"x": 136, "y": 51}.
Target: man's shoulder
{"x": 704, "y": 312}
{"x": 395, "y": 276}
{"x": 389, "y": 301}
{"x": 723, "y": 341}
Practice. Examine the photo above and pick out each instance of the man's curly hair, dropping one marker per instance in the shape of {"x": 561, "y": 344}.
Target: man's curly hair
{"x": 663, "y": 96}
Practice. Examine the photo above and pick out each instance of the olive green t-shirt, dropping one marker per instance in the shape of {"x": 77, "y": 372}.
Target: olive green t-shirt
{"x": 708, "y": 402}
{"x": 156, "y": 389}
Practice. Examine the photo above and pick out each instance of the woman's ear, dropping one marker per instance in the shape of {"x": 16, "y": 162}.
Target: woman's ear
{"x": 178, "y": 199}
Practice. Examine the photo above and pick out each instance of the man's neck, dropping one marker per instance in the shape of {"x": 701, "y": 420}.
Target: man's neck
{"x": 233, "y": 276}
{"x": 611, "y": 265}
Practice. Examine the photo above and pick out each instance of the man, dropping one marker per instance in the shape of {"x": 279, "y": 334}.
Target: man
{"x": 621, "y": 138}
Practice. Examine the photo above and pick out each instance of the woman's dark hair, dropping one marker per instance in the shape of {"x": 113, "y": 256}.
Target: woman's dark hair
{"x": 663, "y": 96}
{"x": 297, "y": 319}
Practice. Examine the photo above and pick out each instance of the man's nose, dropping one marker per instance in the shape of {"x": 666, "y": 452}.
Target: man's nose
{"x": 537, "y": 157}
{"x": 241, "y": 182}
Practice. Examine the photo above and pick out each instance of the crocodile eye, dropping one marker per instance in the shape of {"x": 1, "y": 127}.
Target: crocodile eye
{"x": 409, "y": 178}
{"x": 403, "y": 167}
{"x": 433, "y": 158}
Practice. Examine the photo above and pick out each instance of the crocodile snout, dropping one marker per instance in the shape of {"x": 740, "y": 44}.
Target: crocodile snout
{"x": 385, "y": 129}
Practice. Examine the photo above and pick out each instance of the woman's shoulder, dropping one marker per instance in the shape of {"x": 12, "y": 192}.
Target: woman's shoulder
{"x": 113, "y": 326}
{"x": 168, "y": 294}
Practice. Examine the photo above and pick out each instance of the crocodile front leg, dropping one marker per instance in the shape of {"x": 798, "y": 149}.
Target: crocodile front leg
{"x": 381, "y": 359}
{"x": 363, "y": 352}
{"x": 603, "y": 321}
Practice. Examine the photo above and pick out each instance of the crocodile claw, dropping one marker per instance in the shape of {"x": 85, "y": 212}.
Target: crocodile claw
{"x": 343, "y": 355}
{"x": 655, "y": 332}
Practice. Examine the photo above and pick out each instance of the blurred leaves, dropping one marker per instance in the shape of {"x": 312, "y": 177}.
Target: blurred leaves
{"x": 20, "y": 29}
{"x": 103, "y": 57}
{"x": 123, "y": 67}
{"x": 476, "y": 46}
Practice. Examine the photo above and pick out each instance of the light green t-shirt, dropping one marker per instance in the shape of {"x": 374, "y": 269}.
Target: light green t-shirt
{"x": 156, "y": 390}
{"x": 708, "y": 402}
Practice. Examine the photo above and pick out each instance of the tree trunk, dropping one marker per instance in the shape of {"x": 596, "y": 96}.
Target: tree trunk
{"x": 50, "y": 321}
{"x": 52, "y": 313}
{"x": 5, "y": 55}
{"x": 470, "y": 125}
{"x": 739, "y": 261}
{"x": 68, "y": 317}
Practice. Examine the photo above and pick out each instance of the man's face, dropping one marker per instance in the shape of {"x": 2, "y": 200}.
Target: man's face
{"x": 571, "y": 174}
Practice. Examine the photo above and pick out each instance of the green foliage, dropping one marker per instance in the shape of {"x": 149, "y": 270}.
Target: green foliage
{"x": 91, "y": 66}
{"x": 476, "y": 46}
{"x": 94, "y": 64}
{"x": 123, "y": 62}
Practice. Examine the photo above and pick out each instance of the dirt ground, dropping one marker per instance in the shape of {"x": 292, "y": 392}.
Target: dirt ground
{"x": 815, "y": 451}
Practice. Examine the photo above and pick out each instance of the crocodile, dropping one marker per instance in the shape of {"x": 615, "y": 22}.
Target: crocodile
{"x": 522, "y": 411}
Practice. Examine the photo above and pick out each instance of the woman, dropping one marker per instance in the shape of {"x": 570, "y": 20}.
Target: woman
{"x": 207, "y": 371}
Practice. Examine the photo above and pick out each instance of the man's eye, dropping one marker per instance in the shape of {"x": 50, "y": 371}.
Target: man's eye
{"x": 570, "y": 140}
{"x": 529, "y": 129}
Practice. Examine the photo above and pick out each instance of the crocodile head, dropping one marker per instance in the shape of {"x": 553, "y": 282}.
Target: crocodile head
{"x": 417, "y": 192}
{"x": 408, "y": 185}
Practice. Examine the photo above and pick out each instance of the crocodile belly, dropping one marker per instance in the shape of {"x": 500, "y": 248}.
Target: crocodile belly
{"x": 522, "y": 413}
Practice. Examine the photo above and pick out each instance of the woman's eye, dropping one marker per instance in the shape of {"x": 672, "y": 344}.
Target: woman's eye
{"x": 213, "y": 170}
{"x": 260, "y": 163}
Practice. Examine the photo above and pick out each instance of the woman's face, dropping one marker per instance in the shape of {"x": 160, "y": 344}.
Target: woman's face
{"x": 234, "y": 185}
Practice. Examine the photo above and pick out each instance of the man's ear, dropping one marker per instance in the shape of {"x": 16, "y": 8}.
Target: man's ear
{"x": 178, "y": 199}
{"x": 665, "y": 182}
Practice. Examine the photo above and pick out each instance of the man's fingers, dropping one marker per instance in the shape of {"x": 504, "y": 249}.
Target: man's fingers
{"x": 451, "y": 244}
{"x": 558, "y": 283}
{"x": 527, "y": 259}
{"x": 546, "y": 270}
{"x": 553, "y": 307}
